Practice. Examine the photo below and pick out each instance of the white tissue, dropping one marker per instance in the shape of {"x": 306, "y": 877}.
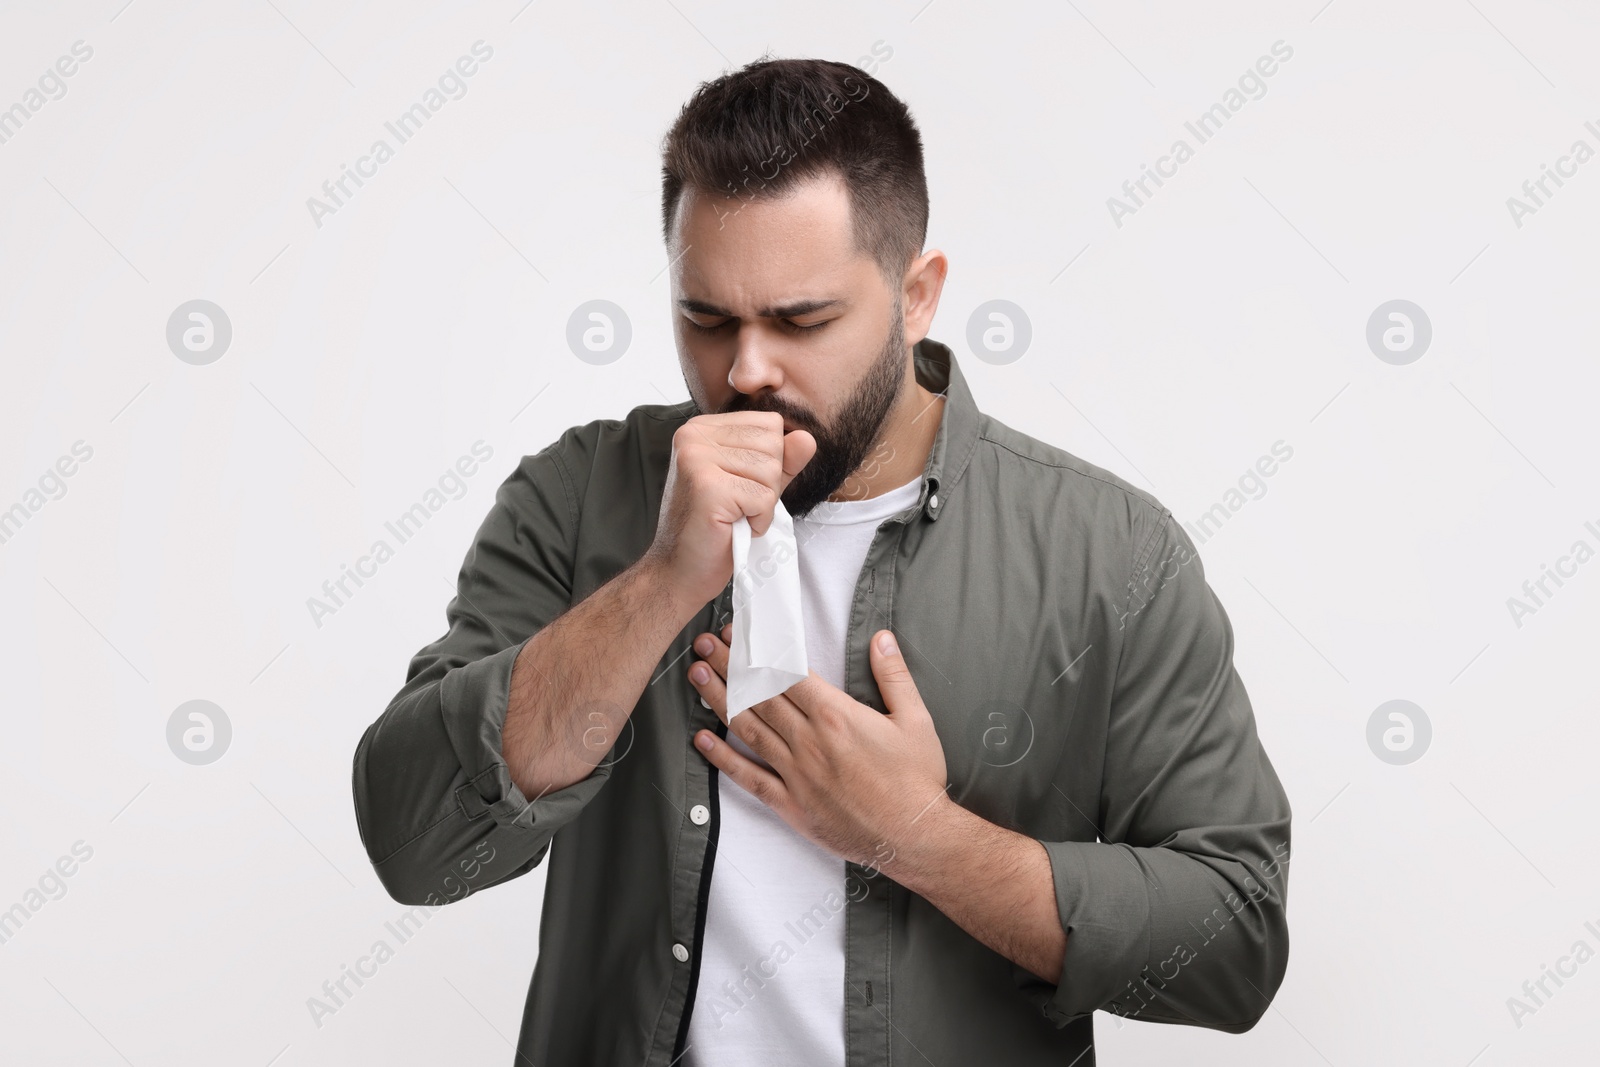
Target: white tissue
{"x": 768, "y": 654}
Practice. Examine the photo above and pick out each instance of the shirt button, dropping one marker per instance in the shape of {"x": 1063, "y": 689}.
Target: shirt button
{"x": 933, "y": 501}
{"x": 699, "y": 814}
{"x": 703, "y": 703}
{"x": 680, "y": 953}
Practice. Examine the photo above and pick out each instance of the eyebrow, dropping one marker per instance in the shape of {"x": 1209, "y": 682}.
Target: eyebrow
{"x": 783, "y": 311}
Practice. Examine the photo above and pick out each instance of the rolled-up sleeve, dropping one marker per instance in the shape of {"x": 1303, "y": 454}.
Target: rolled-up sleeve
{"x": 436, "y": 807}
{"x": 1178, "y": 914}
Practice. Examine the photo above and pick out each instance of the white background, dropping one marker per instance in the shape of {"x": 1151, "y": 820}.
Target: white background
{"x": 1228, "y": 313}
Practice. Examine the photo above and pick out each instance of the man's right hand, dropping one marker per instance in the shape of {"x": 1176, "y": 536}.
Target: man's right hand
{"x": 724, "y": 467}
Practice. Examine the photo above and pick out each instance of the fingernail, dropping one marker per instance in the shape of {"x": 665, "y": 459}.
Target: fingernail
{"x": 703, "y": 646}
{"x": 886, "y": 645}
{"x": 700, "y": 673}
{"x": 703, "y": 742}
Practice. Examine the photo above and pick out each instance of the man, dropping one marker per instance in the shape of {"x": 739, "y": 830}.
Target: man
{"x": 1043, "y": 795}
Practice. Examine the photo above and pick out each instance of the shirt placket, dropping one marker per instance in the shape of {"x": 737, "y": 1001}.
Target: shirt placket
{"x": 869, "y": 894}
{"x": 694, "y": 853}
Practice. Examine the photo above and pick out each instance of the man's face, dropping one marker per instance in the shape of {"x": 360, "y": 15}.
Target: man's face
{"x": 776, "y": 311}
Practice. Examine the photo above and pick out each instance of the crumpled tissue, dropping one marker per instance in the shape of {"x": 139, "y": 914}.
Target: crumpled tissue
{"x": 768, "y": 653}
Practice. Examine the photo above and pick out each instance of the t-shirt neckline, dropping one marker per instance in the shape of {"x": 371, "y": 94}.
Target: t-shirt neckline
{"x": 875, "y": 508}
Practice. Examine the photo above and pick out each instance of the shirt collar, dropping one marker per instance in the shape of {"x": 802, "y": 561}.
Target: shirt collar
{"x": 937, "y": 371}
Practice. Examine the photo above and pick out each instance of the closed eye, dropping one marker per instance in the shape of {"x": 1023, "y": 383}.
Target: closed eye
{"x": 791, "y": 327}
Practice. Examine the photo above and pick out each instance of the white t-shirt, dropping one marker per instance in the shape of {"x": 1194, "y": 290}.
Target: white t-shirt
{"x": 771, "y": 984}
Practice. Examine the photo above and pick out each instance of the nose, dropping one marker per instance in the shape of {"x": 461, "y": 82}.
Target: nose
{"x": 755, "y": 369}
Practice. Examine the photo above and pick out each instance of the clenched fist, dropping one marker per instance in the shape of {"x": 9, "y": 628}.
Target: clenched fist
{"x": 724, "y": 467}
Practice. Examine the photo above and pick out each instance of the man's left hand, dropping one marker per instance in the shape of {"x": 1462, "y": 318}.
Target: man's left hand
{"x": 859, "y": 783}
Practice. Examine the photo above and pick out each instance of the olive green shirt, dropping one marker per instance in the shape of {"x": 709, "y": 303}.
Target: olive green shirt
{"x": 1076, "y": 663}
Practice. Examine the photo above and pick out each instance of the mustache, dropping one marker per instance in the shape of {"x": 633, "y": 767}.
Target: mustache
{"x": 744, "y": 402}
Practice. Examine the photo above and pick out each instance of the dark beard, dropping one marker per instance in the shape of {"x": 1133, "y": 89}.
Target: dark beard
{"x": 842, "y": 447}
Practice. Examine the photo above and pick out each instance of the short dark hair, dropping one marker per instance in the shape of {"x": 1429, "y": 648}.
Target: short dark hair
{"x": 758, "y": 131}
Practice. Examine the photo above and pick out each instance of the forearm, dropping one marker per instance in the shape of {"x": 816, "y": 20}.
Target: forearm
{"x": 994, "y": 883}
{"x": 576, "y": 681}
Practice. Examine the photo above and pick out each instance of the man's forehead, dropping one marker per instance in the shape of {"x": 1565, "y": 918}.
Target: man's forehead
{"x": 810, "y": 220}
{"x": 816, "y": 197}
{"x": 767, "y": 253}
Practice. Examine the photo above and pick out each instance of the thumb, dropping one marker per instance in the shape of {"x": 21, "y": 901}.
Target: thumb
{"x": 798, "y": 449}
{"x": 899, "y": 689}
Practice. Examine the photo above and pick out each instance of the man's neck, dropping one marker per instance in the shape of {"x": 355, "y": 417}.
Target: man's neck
{"x": 902, "y": 453}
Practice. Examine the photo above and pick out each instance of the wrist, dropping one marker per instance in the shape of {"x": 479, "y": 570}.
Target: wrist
{"x": 918, "y": 849}
{"x": 655, "y": 575}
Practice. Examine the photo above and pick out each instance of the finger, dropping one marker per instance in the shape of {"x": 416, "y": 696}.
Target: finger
{"x": 781, "y": 712}
{"x": 747, "y": 446}
{"x": 752, "y": 725}
{"x": 798, "y": 448}
{"x": 754, "y": 779}
{"x": 744, "y": 431}
{"x": 899, "y": 689}
{"x": 809, "y": 692}
{"x": 753, "y": 449}
{"x": 795, "y": 450}
{"x": 714, "y": 650}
